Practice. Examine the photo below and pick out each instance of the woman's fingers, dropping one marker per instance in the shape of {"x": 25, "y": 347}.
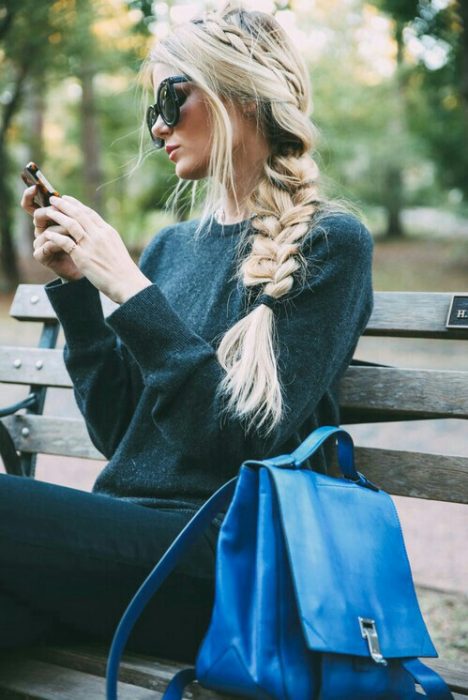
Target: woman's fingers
{"x": 42, "y": 238}
{"x": 72, "y": 227}
{"x": 67, "y": 244}
{"x": 41, "y": 219}
{"x": 73, "y": 208}
{"x": 27, "y": 202}
{"x": 92, "y": 214}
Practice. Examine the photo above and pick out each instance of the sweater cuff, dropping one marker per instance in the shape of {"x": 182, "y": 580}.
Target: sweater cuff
{"x": 154, "y": 333}
{"x": 78, "y": 308}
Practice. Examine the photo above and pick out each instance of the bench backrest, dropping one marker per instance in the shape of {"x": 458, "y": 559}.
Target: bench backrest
{"x": 367, "y": 393}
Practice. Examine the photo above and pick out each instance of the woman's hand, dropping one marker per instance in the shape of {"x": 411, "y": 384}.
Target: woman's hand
{"x": 95, "y": 248}
{"x": 46, "y": 252}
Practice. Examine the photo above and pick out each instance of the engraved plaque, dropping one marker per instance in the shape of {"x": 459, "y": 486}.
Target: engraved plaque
{"x": 458, "y": 312}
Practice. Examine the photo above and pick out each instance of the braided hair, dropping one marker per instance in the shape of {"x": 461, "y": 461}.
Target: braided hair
{"x": 246, "y": 57}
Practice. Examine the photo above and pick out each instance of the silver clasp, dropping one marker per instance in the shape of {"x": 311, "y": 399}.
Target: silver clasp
{"x": 369, "y": 632}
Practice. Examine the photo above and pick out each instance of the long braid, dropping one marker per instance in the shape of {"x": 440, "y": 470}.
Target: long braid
{"x": 247, "y": 57}
{"x": 247, "y": 350}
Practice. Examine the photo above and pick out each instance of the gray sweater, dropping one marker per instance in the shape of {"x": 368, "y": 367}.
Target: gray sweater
{"x": 145, "y": 378}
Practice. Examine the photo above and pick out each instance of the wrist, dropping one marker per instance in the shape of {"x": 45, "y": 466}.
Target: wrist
{"x": 65, "y": 280}
{"x": 130, "y": 288}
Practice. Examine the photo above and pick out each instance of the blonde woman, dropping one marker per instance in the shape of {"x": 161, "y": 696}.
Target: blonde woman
{"x": 228, "y": 342}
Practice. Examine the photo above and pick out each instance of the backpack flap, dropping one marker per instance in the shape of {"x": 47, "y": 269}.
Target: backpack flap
{"x": 338, "y": 531}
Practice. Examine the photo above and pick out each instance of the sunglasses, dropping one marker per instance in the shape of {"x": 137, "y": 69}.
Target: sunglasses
{"x": 168, "y": 103}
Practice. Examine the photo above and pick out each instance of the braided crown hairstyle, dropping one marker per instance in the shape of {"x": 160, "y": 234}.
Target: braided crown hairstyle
{"x": 246, "y": 56}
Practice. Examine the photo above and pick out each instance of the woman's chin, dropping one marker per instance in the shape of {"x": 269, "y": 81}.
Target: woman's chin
{"x": 187, "y": 171}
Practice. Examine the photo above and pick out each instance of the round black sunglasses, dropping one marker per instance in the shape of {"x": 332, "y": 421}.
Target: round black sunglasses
{"x": 168, "y": 103}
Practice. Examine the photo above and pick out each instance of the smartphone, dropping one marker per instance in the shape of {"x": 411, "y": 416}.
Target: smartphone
{"x": 31, "y": 175}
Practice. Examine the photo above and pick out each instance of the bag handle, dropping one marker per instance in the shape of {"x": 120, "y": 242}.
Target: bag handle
{"x": 312, "y": 443}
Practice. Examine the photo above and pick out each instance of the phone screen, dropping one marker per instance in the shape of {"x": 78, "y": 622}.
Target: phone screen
{"x": 32, "y": 175}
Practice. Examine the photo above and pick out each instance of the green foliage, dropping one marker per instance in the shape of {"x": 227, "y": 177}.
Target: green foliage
{"x": 364, "y": 130}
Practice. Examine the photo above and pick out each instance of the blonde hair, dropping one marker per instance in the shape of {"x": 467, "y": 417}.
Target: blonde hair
{"x": 245, "y": 57}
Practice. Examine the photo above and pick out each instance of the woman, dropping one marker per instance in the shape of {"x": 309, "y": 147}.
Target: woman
{"x": 228, "y": 343}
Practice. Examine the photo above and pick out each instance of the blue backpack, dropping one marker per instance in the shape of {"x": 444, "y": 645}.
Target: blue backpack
{"x": 314, "y": 594}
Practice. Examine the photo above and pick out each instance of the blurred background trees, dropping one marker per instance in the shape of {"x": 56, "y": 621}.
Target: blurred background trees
{"x": 390, "y": 97}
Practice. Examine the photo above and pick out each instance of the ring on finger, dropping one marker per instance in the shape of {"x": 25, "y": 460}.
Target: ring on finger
{"x": 76, "y": 237}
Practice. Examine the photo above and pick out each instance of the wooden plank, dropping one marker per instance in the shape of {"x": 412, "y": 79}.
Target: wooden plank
{"x": 137, "y": 669}
{"x": 401, "y": 314}
{"x": 455, "y": 676}
{"x": 51, "y": 435}
{"x": 422, "y": 393}
{"x": 416, "y": 474}
{"x": 402, "y": 473}
{"x": 40, "y": 366}
{"x": 155, "y": 673}
{"x": 31, "y": 303}
{"x": 31, "y": 679}
{"x": 413, "y": 315}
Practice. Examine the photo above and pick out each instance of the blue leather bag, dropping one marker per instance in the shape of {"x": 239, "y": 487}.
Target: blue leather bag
{"x": 314, "y": 594}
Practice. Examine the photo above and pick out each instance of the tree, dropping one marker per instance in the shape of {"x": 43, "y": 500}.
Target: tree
{"x": 27, "y": 31}
{"x": 442, "y": 117}
{"x": 435, "y": 97}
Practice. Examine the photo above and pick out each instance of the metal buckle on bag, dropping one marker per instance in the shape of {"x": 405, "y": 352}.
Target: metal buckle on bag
{"x": 369, "y": 632}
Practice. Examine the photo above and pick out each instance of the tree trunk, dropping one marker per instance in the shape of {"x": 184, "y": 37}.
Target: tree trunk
{"x": 9, "y": 271}
{"x": 463, "y": 10}
{"x": 92, "y": 171}
{"x": 34, "y": 118}
{"x": 393, "y": 172}
{"x": 394, "y": 187}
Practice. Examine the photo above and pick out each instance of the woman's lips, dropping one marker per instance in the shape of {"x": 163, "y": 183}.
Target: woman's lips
{"x": 171, "y": 153}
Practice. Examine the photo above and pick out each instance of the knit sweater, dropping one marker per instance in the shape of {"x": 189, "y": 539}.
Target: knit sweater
{"x": 145, "y": 378}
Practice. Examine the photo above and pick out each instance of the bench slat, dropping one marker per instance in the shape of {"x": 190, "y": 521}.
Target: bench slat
{"x": 40, "y": 366}
{"x": 456, "y": 678}
{"x": 416, "y": 474}
{"x": 413, "y": 315}
{"x": 424, "y": 393}
{"x": 52, "y": 436}
{"x": 31, "y": 303}
{"x": 401, "y": 314}
{"x": 28, "y": 678}
{"x": 155, "y": 673}
{"x": 145, "y": 671}
{"x": 402, "y": 473}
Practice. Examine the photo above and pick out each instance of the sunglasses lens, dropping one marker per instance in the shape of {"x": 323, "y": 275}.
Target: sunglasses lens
{"x": 151, "y": 117}
{"x": 168, "y": 106}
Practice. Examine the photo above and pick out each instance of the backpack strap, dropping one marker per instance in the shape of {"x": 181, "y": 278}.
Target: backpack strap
{"x": 186, "y": 538}
{"x": 179, "y": 682}
{"x": 433, "y": 685}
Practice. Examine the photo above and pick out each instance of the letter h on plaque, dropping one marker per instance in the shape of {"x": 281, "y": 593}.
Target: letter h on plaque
{"x": 458, "y": 312}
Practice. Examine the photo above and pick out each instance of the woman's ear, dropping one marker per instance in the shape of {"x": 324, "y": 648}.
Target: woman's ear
{"x": 249, "y": 110}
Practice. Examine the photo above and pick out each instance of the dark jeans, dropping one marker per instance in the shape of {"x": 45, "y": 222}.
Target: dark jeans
{"x": 70, "y": 561}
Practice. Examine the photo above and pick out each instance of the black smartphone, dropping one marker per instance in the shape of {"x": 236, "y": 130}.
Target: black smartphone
{"x": 32, "y": 175}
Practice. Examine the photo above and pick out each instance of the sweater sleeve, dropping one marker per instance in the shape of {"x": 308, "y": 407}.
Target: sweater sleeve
{"x": 105, "y": 388}
{"x": 316, "y": 331}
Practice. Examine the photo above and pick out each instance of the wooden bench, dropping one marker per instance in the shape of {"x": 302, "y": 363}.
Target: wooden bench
{"x": 367, "y": 394}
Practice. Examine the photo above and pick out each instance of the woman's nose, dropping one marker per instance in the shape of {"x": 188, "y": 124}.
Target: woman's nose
{"x": 160, "y": 129}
